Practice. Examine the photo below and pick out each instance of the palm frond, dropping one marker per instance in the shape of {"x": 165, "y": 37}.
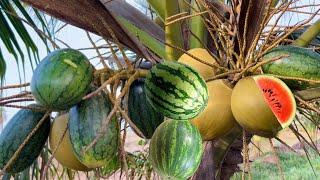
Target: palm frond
{"x": 2, "y": 66}
{"x": 13, "y": 30}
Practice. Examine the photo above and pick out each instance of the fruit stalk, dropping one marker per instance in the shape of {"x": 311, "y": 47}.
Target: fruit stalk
{"x": 308, "y": 35}
{"x": 199, "y": 32}
{"x": 173, "y": 32}
{"x": 119, "y": 75}
{"x": 159, "y": 7}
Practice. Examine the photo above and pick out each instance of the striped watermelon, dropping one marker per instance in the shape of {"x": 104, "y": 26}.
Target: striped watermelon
{"x": 176, "y": 90}
{"x": 176, "y": 149}
{"x": 141, "y": 112}
{"x": 15, "y": 132}
{"x": 61, "y": 79}
{"x": 85, "y": 124}
{"x": 301, "y": 63}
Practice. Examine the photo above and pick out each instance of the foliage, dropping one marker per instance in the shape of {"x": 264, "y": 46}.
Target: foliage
{"x": 15, "y": 36}
{"x": 295, "y": 167}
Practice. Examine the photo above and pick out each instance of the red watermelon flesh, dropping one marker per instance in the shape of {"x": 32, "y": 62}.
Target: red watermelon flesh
{"x": 279, "y": 98}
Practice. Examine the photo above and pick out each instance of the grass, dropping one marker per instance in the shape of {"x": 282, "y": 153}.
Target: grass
{"x": 294, "y": 167}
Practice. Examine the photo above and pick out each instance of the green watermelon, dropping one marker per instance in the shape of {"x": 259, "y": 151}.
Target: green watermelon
{"x": 176, "y": 149}
{"x": 301, "y": 63}
{"x": 141, "y": 113}
{"x": 85, "y": 124}
{"x": 61, "y": 79}
{"x": 13, "y": 135}
{"x": 176, "y": 90}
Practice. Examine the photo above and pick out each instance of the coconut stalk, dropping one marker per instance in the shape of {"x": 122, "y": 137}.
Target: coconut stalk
{"x": 306, "y": 37}
{"x": 198, "y": 29}
{"x": 159, "y": 7}
{"x": 184, "y": 5}
{"x": 173, "y": 32}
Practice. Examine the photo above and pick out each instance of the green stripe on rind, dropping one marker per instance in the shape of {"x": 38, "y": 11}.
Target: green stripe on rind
{"x": 183, "y": 72}
{"x": 176, "y": 149}
{"x": 176, "y": 90}
{"x": 13, "y": 135}
{"x": 85, "y": 124}
{"x": 142, "y": 114}
{"x": 301, "y": 63}
{"x": 61, "y": 79}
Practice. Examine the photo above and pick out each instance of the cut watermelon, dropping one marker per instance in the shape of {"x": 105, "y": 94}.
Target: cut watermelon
{"x": 276, "y": 95}
{"x": 263, "y": 105}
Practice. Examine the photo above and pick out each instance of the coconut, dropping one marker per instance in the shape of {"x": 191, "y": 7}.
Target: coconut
{"x": 216, "y": 120}
{"x": 263, "y": 105}
{"x": 205, "y": 70}
{"x": 64, "y": 154}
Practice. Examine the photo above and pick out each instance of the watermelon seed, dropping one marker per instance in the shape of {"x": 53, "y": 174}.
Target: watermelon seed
{"x": 275, "y": 103}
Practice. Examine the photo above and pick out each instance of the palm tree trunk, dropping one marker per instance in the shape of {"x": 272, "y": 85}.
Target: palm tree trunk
{"x": 208, "y": 169}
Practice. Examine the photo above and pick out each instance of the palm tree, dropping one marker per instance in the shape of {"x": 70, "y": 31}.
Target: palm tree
{"x": 13, "y": 17}
{"x": 233, "y": 31}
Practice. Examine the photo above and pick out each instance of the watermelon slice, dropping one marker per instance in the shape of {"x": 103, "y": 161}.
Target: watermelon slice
{"x": 279, "y": 97}
{"x": 263, "y": 105}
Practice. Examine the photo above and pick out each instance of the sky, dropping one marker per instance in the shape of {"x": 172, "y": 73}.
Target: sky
{"x": 74, "y": 37}
{"x": 77, "y": 38}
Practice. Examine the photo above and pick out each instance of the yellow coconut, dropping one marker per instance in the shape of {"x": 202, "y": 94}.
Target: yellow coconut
{"x": 205, "y": 70}
{"x": 216, "y": 120}
{"x": 263, "y": 105}
{"x": 64, "y": 154}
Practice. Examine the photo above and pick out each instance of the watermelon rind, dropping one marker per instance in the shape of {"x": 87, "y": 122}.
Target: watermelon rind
{"x": 300, "y": 63}
{"x": 176, "y": 149}
{"x": 140, "y": 111}
{"x": 85, "y": 124}
{"x": 61, "y": 79}
{"x": 176, "y": 90}
{"x": 15, "y": 132}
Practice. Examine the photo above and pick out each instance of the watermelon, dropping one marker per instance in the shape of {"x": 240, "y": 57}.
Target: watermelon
{"x": 176, "y": 90}
{"x": 301, "y": 63}
{"x": 64, "y": 153}
{"x": 85, "y": 123}
{"x": 15, "y": 132}
{"x": 263, "y": 105}
{"x": 141, "y": 113}
{"x": 175, "y": 149}
{"x": 61, "y": 79}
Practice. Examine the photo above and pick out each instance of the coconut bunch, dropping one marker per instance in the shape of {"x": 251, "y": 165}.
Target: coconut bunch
{"x": 261, "y": 77}
{"x": 224, "y": 72}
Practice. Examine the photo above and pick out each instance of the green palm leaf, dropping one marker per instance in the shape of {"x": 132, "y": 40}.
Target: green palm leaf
{"x": 2, "y": 67}
{"x": 13, "y": 31}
